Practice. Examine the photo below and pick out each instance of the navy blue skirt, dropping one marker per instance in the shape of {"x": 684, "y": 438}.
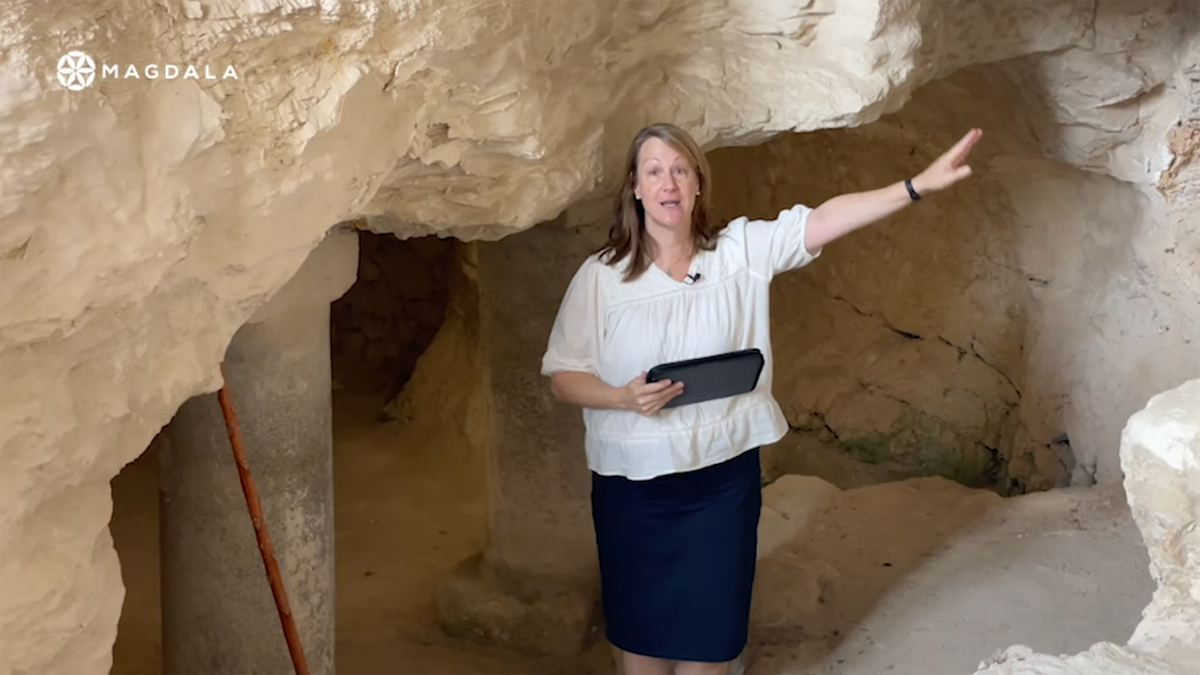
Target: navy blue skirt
{"x": 677, "y": 559}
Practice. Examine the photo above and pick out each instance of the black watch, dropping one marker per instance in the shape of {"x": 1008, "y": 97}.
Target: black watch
{"x": 912, "y": 192}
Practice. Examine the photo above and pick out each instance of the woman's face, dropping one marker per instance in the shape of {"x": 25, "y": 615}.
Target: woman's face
{"x": 666, "y": 184}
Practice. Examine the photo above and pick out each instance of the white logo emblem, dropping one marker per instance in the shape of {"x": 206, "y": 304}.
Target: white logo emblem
{"x": 76, "y": 70}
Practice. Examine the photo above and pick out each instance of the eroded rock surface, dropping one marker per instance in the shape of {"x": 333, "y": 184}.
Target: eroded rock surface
{"x": 1160, "y": 455}
{"x": 145, "y": 221}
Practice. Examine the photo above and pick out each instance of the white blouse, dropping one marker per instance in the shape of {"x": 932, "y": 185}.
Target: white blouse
{"x": 617, "y": 330}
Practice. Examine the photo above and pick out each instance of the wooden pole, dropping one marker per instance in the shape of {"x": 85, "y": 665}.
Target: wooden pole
{"x": 260, "y": 530}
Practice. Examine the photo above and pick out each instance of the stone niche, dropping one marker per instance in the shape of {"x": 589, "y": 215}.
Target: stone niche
{"x": 390, "y": 316}
{"x": 1001, "y": 335}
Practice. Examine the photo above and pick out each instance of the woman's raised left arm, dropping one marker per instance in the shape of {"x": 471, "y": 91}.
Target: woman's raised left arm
{"x": 845, "y": 213}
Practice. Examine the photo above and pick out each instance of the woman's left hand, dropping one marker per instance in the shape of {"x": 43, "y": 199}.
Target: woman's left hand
{"x": 950, "y": 168}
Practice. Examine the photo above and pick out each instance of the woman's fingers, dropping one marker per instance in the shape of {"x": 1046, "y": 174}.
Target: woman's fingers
{"x": 957, "y": 156}
{"x": 670, "y": 392}
{"x": 659, "y": 398}
{"x": 654, "y": 387}
{"x": 963, "y": 147}
{"x": 651, "y": 402}
{"x": 952, "y": 166}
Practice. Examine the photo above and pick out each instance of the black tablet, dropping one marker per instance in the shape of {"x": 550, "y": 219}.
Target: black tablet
{"x": 711, "y": 377}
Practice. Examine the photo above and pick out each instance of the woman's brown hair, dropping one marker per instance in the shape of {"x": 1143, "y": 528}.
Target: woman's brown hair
{"x": 627, "y": 235}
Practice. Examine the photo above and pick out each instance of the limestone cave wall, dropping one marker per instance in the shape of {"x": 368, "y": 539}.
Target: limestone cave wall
{"x": 897, "y": 343}
{"x": 998, "y": 334}
{"x": 144, "y": 221}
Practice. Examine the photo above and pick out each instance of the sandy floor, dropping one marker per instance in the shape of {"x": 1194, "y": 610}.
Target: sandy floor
{"x": 916, "y": 578}
{"x": 927, "y": 577}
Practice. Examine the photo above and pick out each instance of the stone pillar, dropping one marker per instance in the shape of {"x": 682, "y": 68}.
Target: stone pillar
{"x": 218, "y": 613}
{"x": 535, "y": 586}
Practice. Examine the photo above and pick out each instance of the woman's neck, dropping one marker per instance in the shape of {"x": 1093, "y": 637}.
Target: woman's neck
{"x": 669, "y": 244}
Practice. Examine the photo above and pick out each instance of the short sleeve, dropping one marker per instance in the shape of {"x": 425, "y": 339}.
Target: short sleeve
{"x": 576, "y": 336}
{"x": 775, "y": 246}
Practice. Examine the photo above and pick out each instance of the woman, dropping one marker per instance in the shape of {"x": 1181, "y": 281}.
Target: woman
{"x": 676, "y": 493}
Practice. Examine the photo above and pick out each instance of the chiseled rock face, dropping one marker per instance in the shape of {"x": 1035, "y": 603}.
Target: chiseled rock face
{"x": 1160, "y": 455}
{"x": 144, "y": 221}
